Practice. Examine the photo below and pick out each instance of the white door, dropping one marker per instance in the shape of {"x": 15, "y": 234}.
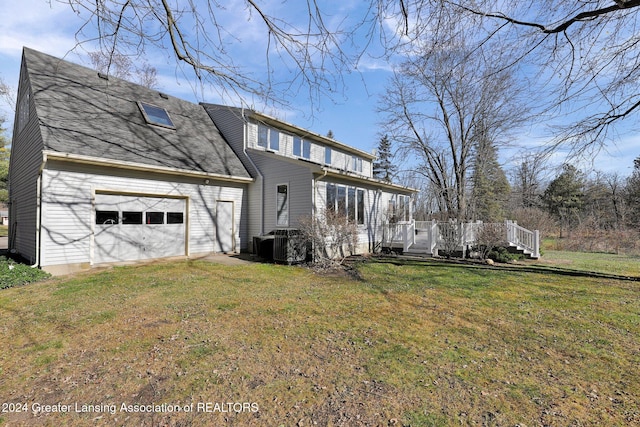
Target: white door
{"x": 130, "y": 228}
{"x": 224, "y": 226}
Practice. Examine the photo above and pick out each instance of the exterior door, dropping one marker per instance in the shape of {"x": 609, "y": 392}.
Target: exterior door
{"x": 225, "y": 226}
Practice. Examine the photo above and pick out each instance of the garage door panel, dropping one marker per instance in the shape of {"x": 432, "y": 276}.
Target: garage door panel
{"x": 132, "y": 238}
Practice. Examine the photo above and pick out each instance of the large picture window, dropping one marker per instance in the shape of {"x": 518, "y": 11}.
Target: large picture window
{"x": 347, "y": 201}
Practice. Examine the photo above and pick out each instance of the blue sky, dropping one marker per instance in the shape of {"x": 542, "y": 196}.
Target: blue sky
{"x": 351, "y": 115}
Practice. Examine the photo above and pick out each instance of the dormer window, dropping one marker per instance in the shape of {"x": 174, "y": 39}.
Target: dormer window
{"x": 156, "y": 115}
{"x": 268, "y": 138}
{"x": 356, "y": 164}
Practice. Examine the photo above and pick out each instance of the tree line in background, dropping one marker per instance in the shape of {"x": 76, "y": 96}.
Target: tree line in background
{"x": 590, "y": 212}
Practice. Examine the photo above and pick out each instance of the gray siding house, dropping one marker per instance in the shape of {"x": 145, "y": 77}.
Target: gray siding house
{"x": 103, "y": 170}
{"x": 300, "y": 173}
{"x": 106, "y": 171}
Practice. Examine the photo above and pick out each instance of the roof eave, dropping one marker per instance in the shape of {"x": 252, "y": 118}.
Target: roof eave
{"x": 309, "y": 134}
{"x": 336, "y": 173}
{"x": 119, "y": 164}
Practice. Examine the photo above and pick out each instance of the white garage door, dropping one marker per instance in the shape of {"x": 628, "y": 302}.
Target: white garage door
{"x": 129, "y": 228}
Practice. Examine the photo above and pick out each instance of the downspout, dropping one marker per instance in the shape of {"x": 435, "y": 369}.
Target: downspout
{"x": 246, "y": 155}
{"x": 39, "y": 211}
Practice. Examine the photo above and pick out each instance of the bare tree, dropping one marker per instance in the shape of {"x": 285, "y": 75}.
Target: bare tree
{"x": 123, "y": 67}
{"x": 527, "y": 178}
{"x": 582, "y": 54}
{"x": 7, "y": 95}
{"x": 441, "y": 102}
{"x": 303, "y": 45}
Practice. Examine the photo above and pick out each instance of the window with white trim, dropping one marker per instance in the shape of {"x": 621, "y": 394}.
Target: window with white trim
{"x": 327, "y": 155}
{"x": 268, "y": 138}
{"x": 301, "y": 148}
{"x": 356, "y": 164}
{"x": 347, "y": 201}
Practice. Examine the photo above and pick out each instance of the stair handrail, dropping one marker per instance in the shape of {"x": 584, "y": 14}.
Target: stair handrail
{"x": 524, "y": 238}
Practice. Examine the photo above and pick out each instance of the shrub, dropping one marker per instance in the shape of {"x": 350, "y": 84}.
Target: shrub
{"x": 332, "y": 235}
{"x": 501, "y": 254}
{"x": 15, "y": 274}
{"x": 488, "y": 237}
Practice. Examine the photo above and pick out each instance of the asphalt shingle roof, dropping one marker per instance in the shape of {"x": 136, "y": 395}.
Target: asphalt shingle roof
{"x": 81, "y": 113}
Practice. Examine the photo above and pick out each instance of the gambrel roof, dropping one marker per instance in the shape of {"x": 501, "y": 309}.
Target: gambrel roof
{"x": 83, "y": 113}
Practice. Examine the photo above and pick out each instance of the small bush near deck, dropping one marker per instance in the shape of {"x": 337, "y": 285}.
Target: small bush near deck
{"x": 15, "y": 274}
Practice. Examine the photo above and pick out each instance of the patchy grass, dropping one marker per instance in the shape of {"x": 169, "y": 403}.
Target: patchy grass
{"x": 417, "y": 344}
{"x": 626, "y": 265}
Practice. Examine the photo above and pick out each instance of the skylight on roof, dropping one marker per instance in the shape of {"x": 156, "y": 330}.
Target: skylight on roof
{"x": 156, "y": 115}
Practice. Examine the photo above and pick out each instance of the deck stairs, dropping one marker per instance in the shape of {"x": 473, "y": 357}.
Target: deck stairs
{"x": 428, "y": 238}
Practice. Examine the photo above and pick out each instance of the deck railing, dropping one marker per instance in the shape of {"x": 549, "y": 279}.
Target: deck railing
{"x": 432, "y": 235}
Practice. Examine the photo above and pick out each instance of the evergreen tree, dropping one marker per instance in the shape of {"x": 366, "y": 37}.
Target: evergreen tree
{"x": 4, "y": 163}
{"x": 632, "y": 194}
{"x": 490, "y": 187}
{"x": 564, "y": 197}
{"x": 384, "y": 167}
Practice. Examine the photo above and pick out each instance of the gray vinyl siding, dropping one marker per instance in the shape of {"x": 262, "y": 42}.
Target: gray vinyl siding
{"x": 231, "y": 125}
{"x": 340, "y": 159}
{"x": 68, "y": 218}
{"x": 24, "y": 169}
{"x": 376, "y": 206}
{"x": 299, "y": 180}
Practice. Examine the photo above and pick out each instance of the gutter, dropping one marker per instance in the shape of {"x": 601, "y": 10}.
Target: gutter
{"x": 121, "y": 164}
{"x": 335, "y": 173}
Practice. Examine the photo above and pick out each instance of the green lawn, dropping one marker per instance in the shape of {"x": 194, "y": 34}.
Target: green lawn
{"x": 417, "y": 344}
{"x": 598, "y": 262}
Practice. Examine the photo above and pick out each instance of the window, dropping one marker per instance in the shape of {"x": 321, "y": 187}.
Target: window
{"x": 356, "y": 164}
{"x": 347, "y": 201}
{"x": 342, "y": 200}
{"x": 327, "y": 155}
{"x": 301, "y": 148}
{"x": 351, "y": 204}
{"x": 132, "y": 217}
{"x": 106, "y": 217}
{"x": 282, "y": 205}
{"x": 403, "y": 208}
{"x": 360, "y": 202}
{"x": 399, "y": 208}
{"x": 274, "y": 140}
{"x": 268, "y": 138}
{"x": 297, "y": 146}
{"x": 154, "y": 218}
{"x": 263, "y": 136}
{"x": 331, "y": 197}
{"x": 156, "y": 115}
{"x": 175, "y": 218}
